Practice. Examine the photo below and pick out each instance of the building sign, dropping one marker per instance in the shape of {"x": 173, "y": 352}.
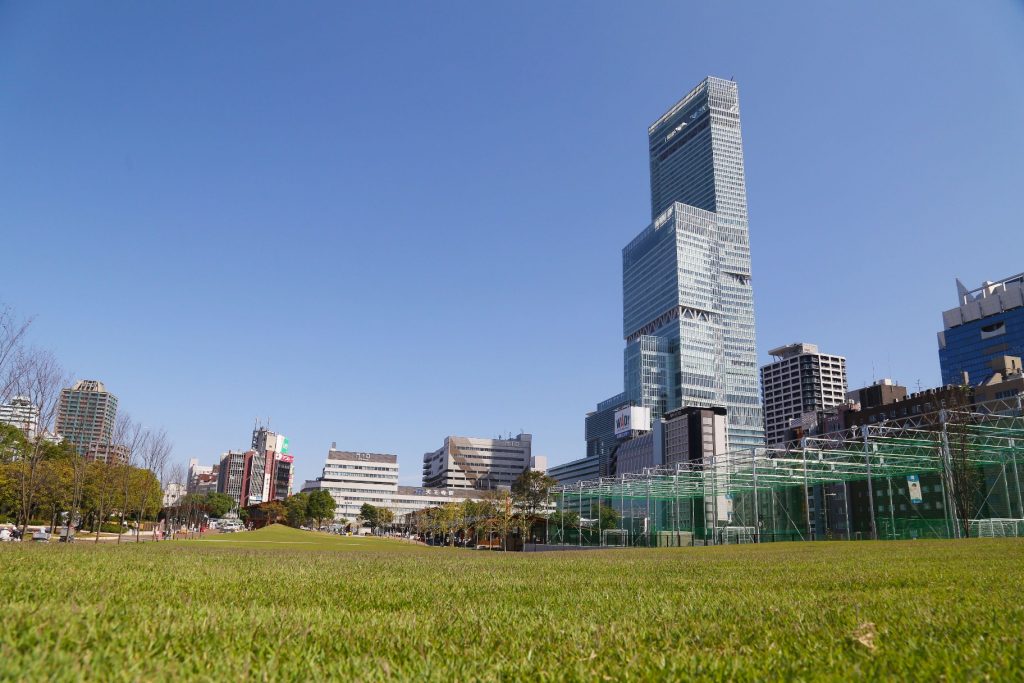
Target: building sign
{"x": 914, "y": 484}
{"x": 284, "y": 446}
{"x": 287, "y": 458}
{"x": 632, "y": 418}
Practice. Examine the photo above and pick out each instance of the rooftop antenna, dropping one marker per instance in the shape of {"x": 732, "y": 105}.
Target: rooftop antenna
{"x": 918, "y": 386}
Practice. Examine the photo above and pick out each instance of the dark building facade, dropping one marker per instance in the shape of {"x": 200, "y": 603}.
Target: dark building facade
{"x": 880, "y": 393}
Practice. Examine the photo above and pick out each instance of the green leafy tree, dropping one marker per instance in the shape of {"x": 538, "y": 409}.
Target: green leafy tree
{"x": 503, "y": 515}
{"x": 218, "y": 504}
{"x": 370, "y": 515}
{"x": 296, "y": 507}
{"x": 531, "y": 489}
{"x": 560, "y": 520}
{"x": 320, "y": 506}
{"x": 607, "y": 518}
{"x": 273, "y": 511}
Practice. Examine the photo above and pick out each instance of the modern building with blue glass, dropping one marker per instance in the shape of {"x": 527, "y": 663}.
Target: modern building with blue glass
{"x": 988, "y": 324}
{"x": 688, "y": 304}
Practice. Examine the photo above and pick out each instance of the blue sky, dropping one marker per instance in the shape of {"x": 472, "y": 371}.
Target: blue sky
{"x": 380, "y": 224}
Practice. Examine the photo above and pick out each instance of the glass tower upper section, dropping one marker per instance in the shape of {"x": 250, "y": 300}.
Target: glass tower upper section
{"x": 686, "y": 277}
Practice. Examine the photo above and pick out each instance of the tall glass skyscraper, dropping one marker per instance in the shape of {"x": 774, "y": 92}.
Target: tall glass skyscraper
{"x": 688, "y": 305}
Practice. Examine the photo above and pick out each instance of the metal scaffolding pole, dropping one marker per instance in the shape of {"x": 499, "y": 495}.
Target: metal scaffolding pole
{"x": 947, "y": 471}
{"x": 622, "y": 509}
{"x": 892, "y": 510}
{"x": 547, "y": 518}
{"x": 945, "y": 506}
{"x": 871, "y": 488}
{"x": 647, "y": 520}
{"x": 1013, "y": 448}
{"x": 846, "y": 510}
{"x": 579, "y": 536}
{"x": 714, "y": 502}
{"x": 807, "y": 498}
{"x": 675, "y": 504}
{"x": 757, "y": 512}
{"x": 1016, "y": 479}
{"x": 1006, "y": 488}
{"x": 561, "y": 518}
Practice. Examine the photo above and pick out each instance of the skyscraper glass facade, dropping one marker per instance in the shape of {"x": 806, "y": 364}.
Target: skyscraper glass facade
{"x": 987, "y": 324}
{"x": 688, "y": 306}
{"x": 973, "y": 346}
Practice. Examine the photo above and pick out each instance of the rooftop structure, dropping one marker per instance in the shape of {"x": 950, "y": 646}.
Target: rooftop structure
{"x": 987, "y": 323}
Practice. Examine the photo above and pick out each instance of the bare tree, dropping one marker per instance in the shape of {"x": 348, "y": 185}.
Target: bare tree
{"x": 129, "y": 438}
{"x": 40, "y": 378}
{"x": 12, "y": 337}
{"x": 155, "y": 452}
{"x": 177, "y": 476}
{"x": 960, "y": 473}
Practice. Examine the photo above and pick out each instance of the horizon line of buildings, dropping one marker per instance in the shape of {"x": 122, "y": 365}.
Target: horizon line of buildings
{"x": 691, "y": 385}
{"x": 462, "y": 468}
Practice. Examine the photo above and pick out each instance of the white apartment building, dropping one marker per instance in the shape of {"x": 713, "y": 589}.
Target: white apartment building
{"x": 19, "y": 412}
{"x": 800, "y": 380}
{"x": 355, "y": 478}
{"x": 466, "y": 462}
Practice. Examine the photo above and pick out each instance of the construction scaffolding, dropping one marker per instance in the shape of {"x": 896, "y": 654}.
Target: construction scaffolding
{"x": 949, "y": 474}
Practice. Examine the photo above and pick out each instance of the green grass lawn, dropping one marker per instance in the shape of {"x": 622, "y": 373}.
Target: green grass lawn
{"x": 281, "y": 604}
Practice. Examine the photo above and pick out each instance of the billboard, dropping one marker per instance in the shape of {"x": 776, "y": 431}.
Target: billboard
{"x": 914, "y": 485}
{"x": 630, "y": 419}
{"x": 287, "y": 458}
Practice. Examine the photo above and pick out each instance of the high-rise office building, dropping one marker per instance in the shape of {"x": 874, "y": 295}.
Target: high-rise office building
{"x": 272, "y": 471}
{"x": 688, "y": 306}
{"x": 86, "y": 414}
{"x": 987, "y": 324}
{"x": 231, "y": 476}
{"x": 466, "y": 462}
{"x": 799, "y": 381}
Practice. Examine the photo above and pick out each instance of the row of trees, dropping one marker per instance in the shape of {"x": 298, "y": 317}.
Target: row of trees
{"x": 522, "y": 513}
{"x": 297, "y": 511}
{"x": 48, "y": 482}
{"x": 496, "y": 518}
{"x": 58, "y": 486}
